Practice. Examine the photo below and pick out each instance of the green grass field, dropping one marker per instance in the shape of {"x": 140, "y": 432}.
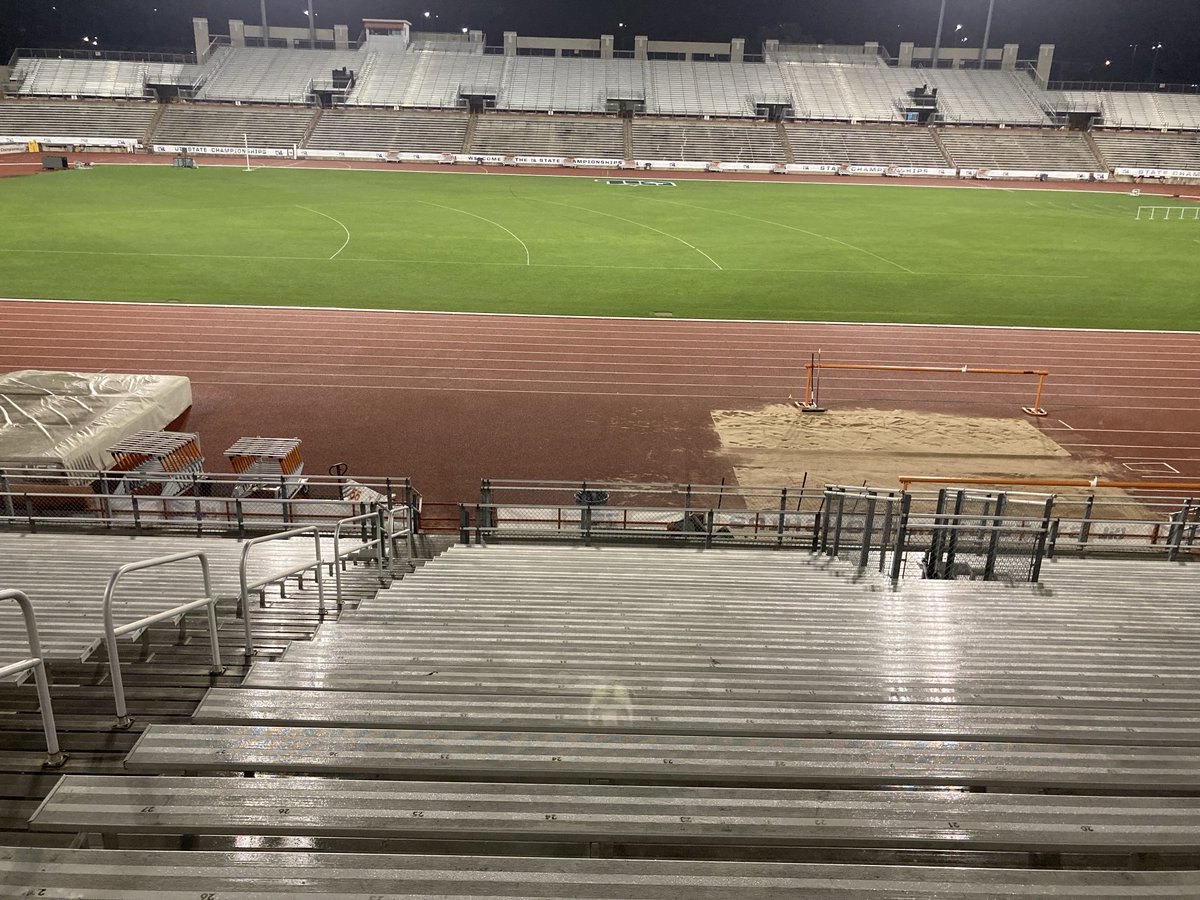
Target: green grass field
{"x": 440, "y": 241}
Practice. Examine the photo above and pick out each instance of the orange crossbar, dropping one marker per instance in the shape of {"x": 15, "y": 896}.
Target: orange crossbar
{"x": 1194, "y": 486}
{"x": 1034, "y": 410}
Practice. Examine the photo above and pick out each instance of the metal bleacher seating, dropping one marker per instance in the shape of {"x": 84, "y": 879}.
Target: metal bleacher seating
{"x": 216, "y": 125}
{"x": 705, "y": 721}
{"x": 865, "y": 146}
{"x": 426, "y": 78}
{"x": 1130, "y": 109}
{"x": 685, "y": 140}
{"x": 704, "y": 88}
{"x": 65, "y": 121}
{"x": 66, "y": 576}
{"x": 262, "y": 75}
{"x": 549, "y": 136}
{"x": 1052, "y": 151}
{"x": 80, "y": 77}
{"x": 1150, "y": 151}
{"x": 387, "y": 130}
{"x": 973, "y": 97}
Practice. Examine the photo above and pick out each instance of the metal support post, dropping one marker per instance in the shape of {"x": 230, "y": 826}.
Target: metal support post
{"x": 1052, "y": 544}
{"x": 886, "y": 537}
{"x": 9, "y": 512}
{"x": 708, "y": 529}
{"x": 486, "y": 500}
{"x": 585, "y": 523}
{"x": 137, "y": 514}
{"x": 782, "y": 516}
{"x": 864, "y": 553}
{"x": 901, "y": 536}
{"x": 464, "y": 525}
{"x": 989, "y": 567}
{"x": 1178, "y": 527}
{"x": 1043, "y": 534}
{"x": 837, "y": 526}
{"x": 1085, "y": 520}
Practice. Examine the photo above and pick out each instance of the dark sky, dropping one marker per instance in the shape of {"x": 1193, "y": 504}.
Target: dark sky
{"x": 1086, "y": 32}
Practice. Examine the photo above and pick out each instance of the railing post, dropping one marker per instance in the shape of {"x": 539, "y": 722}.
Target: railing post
{"x": 55, "y": 758}
{"x": 241, "y": 523}
{"x": 782, "y": 513}
{"x": 464, "y": 525}
{"x": 836, "y": 546}
{"x": 708, "y": 527}
{"x": 486, "y": 499}
{"x": 1085, "y": 520}
{"x": 137, "y": 514}
{"x": 1178, "y": 527}
{"x": 901, "y": 536}
{"x": 479, "y": 525}
{"x": 199, "y": 510}
{"x": 1052, "y": 544}
{"x": 585, "y": 523}
{"x": 886, "y": 537}
{"x": 864, "y": 553}
{"x": 1040, "y": 548}
{"x": 105, "y": 500}
{"x": 989, "y": 566}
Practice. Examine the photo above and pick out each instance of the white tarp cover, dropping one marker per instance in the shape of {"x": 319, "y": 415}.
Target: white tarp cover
{"x": 68, "y": 420}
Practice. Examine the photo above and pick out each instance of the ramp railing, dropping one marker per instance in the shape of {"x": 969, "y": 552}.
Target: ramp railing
{"x": 37, "y": 664}
{"x": 112, "y": 631}
{"x": 248, "y": 586}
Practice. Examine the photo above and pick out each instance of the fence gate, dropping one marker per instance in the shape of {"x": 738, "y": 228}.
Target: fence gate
{"x": 969, "y": 534}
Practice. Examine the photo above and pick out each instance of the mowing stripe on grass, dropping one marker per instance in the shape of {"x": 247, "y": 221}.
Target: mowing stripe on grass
{"x": 815, "y": 234}
{"x": 639, "y": 224}
{"x": 332, "y": 219}
{"x": 484, "y": 219}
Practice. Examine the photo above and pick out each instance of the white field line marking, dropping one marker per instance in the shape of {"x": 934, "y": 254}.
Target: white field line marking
{"x": 998, "y": 330}
{"x": 1140, "y": 467}
{"x": 332, "y": 219}
{"x": 524, "y": 246}
{"x": 815, "y": 234}
{"x": 1065, "y": 425}
{"x": 638, "y": 224}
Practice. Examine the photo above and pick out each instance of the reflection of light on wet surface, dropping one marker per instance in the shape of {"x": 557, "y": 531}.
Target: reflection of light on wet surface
{"x": 926, "y": 627}
{"x": 610, "y": 705}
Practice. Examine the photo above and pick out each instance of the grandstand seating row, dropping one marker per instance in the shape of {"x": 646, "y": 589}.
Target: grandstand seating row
{"x": 835, "y": 88}
{"x": 373, "y": 130}
{"x": 714, "y": 721}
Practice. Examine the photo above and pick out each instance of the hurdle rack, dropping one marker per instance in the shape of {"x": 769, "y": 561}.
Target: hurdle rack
{"x": 267, "y": 467}
{"x": 160, "y": 462}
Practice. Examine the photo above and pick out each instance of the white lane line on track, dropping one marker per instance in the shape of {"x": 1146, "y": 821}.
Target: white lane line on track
{"x": 331, "y": 219}
{"x": 815, "y": 234}
{"x": 673, "y": 237}
{"x": 1065, "y": 425}
{"x": 524, "y": 246}
{"x": 563, "y": 317}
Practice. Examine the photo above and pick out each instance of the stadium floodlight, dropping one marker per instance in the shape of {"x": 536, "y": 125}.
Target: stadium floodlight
{"x": 937, "y": 43}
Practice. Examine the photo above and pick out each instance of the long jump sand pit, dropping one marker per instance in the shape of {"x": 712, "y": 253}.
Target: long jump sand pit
{"x": 780, "y": 445}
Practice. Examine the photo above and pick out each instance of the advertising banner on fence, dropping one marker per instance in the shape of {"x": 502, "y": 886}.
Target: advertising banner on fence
{"x": 13, "y": 148}
{"x": 60, "y": 141}
{"x": 1034, "y": 174}
{"x": 741, "y": 167}
{"x": 681, "y": 165}
{"x": 224, "y": 151}
{"x": 1135, "y": 172}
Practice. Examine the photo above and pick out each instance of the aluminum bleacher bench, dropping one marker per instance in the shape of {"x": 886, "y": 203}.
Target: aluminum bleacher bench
{"x": 1144, "y": 692}
{"x": 176, "y": 875}
{"x": 633, "y": 815}
{"x": 613, "y": 708}
{"x": 429, "y": 753}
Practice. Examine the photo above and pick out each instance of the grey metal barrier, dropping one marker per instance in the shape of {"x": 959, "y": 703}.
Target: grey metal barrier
{"x": 36, "y": 663}
{"x": 112, "y": 632}
{"x": 375, "y": 536}
{"x": 248, "y": 586}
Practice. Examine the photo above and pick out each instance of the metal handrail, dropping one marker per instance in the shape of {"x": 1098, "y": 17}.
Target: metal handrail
{"x": 377, "y": 543}
{"x": 247, "y": 587}
{"x": 36, "y": 662}
{"x": 111, "y": 632}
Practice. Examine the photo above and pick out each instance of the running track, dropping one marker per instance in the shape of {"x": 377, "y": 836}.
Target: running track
{"x": 451, "y": 398}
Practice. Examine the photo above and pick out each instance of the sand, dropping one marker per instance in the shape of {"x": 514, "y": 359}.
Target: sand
{"x": 780, "y": 445}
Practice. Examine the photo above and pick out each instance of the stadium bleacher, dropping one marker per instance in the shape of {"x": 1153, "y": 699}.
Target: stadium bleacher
{"x": 212, "y": 125}
{"x": 377, "y": 130}
{"x": 1149, "y": 151}
{"x": 65, "y": 122}
{"x": 1055, "y": 151}
{"x": 865, "y": 146}
{"x": 688, "y": 140}
{"x": 549, "y": 136}
{"x": 630, "y": 703}
{"x": 261, "y": 75}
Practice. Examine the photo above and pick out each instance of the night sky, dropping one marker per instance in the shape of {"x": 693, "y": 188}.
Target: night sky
{"x": 1087, "y": 32}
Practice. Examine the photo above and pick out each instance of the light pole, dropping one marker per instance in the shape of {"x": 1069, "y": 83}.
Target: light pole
{"x": 937, "y": 43}
{"x": 312, "y": 27}
{"x": 987, "y": 34}
{"x": 265, "y": 27}
{"x": 1156, "y": 46}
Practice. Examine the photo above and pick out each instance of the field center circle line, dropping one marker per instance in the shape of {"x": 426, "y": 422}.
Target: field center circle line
{"x": 524, "y": 246}
{"x": 815, "y": 234}
{"x": 639, "y": 224}
{"x": 331, "y": 219}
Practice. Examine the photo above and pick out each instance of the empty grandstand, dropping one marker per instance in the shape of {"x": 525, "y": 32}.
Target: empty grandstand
{"x": 204, "y": 125}
{"x": 374, "y": 130}
{"x": 62, "y": 122}
{"x": 551, "y": 136}
{"x": 684, "y": 140}
{"x": 866, "y": 146}
{"x": 1020, "y": 151}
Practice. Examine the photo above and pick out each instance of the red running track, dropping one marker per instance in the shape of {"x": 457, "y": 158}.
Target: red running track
{"x": 451, "y": 398}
